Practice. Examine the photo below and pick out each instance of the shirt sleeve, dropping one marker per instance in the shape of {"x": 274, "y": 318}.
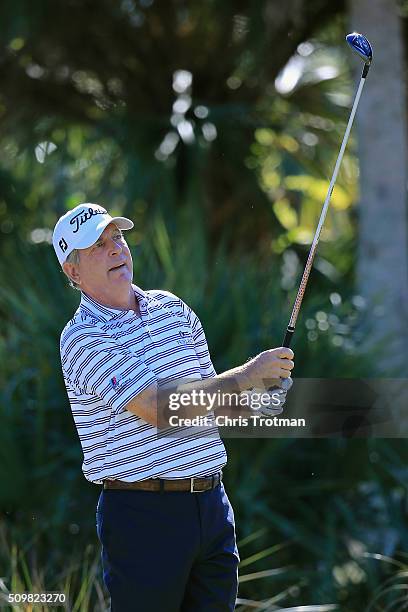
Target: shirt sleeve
{"x": 187, "y": 316}
{"x": 94, "y": 364}
{"x": 201, "y": 346}
{"x": 207, "y": 369}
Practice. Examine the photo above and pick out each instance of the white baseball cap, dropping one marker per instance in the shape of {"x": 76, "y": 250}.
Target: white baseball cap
{"x": 81, "y": 227}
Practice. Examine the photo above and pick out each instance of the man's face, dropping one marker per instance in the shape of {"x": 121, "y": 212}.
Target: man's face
{"x": 106, "y": 266}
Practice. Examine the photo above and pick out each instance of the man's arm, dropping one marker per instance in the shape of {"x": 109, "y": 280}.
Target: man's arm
{"x": 152, "y": 403}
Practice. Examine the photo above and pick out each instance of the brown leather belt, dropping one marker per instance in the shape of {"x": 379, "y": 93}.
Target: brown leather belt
{"x": 193, "y": 485}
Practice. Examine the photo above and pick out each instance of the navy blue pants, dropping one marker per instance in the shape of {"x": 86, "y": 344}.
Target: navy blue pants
{"x": 168, "y": 552}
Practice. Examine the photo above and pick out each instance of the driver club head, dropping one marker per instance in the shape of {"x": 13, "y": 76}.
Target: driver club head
{"x": 360, "y": 45}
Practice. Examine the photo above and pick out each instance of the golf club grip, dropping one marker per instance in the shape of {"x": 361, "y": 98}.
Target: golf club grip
{"x": 288, "y": 337}
{"x": 286, "y": 343}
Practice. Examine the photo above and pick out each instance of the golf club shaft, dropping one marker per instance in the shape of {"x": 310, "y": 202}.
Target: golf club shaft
{"x": 308, "y": 267}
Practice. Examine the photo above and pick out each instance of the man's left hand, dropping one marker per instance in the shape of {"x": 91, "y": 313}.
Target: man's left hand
{"x": 277, "y": 395}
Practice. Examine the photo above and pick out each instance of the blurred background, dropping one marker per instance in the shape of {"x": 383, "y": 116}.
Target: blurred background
{"x": 215, "y": 126}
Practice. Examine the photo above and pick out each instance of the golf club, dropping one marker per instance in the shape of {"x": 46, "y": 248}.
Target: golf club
{"x": 360, "y": 44}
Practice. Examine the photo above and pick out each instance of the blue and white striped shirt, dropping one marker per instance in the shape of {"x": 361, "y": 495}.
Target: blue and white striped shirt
{"x": 108, "y": 356}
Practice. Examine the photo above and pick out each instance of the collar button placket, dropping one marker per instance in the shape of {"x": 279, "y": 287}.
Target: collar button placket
{"x": 145, "y": 314}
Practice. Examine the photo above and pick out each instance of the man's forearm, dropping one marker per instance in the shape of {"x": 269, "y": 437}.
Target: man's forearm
{"x": 199, "y": 397}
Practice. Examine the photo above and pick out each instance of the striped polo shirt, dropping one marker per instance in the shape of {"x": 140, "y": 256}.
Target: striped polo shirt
{"x": 108, "y": 356}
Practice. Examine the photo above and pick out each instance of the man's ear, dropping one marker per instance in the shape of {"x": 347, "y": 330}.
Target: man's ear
{"x": 72, "y": 271}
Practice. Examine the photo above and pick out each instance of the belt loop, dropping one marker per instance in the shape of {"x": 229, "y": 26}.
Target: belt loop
{"x": 161, "y": 485}
{"x": 212, "y": 481}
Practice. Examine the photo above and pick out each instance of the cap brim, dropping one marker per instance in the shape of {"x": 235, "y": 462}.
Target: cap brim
{"x": 121, "y": 222}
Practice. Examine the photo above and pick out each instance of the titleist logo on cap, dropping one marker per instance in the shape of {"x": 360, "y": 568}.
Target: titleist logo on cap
{"x": 84, "y": 215}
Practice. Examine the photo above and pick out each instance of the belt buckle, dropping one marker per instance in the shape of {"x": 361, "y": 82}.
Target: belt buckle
{"x": 192, "y": 490}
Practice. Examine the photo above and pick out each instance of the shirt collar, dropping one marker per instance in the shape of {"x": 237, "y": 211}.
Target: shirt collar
{"x": 93, "y": 308}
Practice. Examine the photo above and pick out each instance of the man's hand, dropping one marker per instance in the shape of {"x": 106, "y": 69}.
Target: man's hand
{"x": 281, "y": 391}
{"x": 275, "y": 364}
{"x": 277, "y": 397}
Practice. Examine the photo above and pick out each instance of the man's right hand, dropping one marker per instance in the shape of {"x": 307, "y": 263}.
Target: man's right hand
{"x": 271, "y": 364}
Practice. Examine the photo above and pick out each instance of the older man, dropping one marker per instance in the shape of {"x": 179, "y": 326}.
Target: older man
{"x": 163, "y": 518}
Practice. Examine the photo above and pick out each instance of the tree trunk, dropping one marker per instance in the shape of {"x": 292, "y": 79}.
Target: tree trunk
{"x": 382, "y": 269}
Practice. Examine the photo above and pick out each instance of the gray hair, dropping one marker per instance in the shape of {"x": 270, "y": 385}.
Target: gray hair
{"x": 73, "y": 258}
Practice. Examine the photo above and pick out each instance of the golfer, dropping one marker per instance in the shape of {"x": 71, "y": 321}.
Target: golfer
{"x": 163, "y": 517}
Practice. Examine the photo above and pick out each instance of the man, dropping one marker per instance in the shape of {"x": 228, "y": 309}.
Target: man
{"x": 163, "y": 518}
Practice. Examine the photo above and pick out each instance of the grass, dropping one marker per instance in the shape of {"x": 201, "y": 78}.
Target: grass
{"x": 80, "y": 579}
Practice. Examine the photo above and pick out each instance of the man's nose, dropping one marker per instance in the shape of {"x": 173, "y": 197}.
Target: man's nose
{"x": 115, "y": 246}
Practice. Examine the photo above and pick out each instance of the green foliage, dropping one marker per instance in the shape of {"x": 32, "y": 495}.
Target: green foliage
{"x": 78, "y": 576}
{"x": 330, "y": 510}
{"x": 106, "y": 135}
